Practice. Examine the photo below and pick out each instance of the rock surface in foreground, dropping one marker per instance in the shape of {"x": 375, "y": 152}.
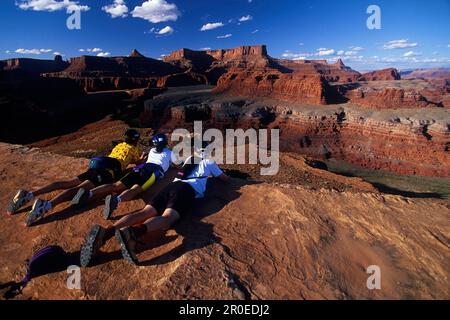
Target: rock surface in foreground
{"x": 255, "y": 241}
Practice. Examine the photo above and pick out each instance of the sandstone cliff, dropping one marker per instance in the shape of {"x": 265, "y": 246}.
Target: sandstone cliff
{"x": 381, "y": 75}
{"x": 288, "y": 87}
{"x": 34, "y": 66}
{"x": 408, "y": 140}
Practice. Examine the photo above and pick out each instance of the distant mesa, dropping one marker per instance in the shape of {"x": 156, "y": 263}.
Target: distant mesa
{"x": 381, "y": 75}
{"x": 433, "y": 73}
{"x": 136, "y": 54}
{"x": 58, "y": 58}
{"x": 249, "y": 71}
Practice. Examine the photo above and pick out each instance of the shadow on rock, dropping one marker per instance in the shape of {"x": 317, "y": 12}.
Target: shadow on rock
{"x": 410, "y": 194}
{"x": 195, "y": 232}
{"x": 68, "y": 212}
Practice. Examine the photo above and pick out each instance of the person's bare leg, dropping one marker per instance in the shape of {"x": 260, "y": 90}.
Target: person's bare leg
{"x": 128, "y": 236}
{"x": 162, "y": 223}
{"x": 108, "y": 189}
{"x": 70, "y": 193}
{"x": 136, "y": 218}
{"x": 57, "y": 185}
{"x": 131, "y": 194}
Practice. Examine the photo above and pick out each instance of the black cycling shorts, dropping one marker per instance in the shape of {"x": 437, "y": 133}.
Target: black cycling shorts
{"x": 142, "y": 176}
{"x": 97, "y": 177}
{"x": 177, "y": 195}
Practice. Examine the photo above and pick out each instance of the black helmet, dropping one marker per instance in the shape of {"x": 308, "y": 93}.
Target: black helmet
{"x": 132, "y": 136}
{"x": 159, "y": 141}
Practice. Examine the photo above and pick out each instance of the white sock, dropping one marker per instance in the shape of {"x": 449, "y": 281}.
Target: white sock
{"x": 119, "y": 199}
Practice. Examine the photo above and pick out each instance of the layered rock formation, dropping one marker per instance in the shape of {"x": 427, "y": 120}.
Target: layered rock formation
{"x": 381, "y": 75}
{"x": 400, "y": 144}
{"x": 245, "y": 240}
{"x": 396, "y": 94}
{"x": 182, "y": 79}
{"x": 115, "y": 73}
{"x": 238, "y": 71}
{"x": 289, "y": 87}
{"x": 433, "y": 73}
{"x": 408, "y": 141}
{"x": 34, "y": 66}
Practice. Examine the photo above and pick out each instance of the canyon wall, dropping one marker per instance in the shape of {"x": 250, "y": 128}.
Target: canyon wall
{"x": 405, "y": 141}
{"x": 34, "y": 66}
{"x": 398, "y": 145}
{"x": 289, "y": 87}
{"x": 381, "y": 75}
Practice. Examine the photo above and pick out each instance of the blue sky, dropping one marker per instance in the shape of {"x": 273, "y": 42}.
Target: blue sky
{"x": 413, "y": 33}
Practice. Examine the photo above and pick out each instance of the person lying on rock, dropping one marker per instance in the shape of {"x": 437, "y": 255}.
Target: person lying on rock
{"x": 140, "y": 179}
{"x": 166, "y": 208}
{"x": 101, "y": 170}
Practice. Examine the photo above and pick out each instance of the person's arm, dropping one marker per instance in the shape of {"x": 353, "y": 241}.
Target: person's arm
{"x": 140, "y": 160}
{"x": 217, "y": 172}
{"x": 143, "y": 157}
{"x": 174, "y": 161}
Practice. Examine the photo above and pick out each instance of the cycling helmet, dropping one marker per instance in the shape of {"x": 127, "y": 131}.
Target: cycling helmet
{"x": 159, "y": 141}
{"x": 132, "y": 136}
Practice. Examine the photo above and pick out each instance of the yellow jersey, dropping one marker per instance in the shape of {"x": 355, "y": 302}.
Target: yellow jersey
{"x": 126, "y": 154}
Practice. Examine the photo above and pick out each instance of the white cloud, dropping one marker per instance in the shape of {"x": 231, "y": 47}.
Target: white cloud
{"x": 7, "y": 52}
{"x": 57, "y": 53}
{"x": 205, "y": 49}
{"x": 356, "y": 48}
{"x": 245, "y": 18}
{"x": 92, "y": 50}
{"x": 448, "y": 46}
{"x": 33, "y": 51}
{"x": 351, "y": 53}
{"x": 51, "y": 5}
{"x": 211, "y": 26}
{"x": 411, "y": 54}
{"x": 156, "y": 11}
{"x": 103, "y": 54}
{"x": 399, "y": 44}
{"x": 340, "y": 52}
{"x": 117, "y": 9}
{"x": 229, "y": 35}
{"x": 326, "y": 52}
{"x": 301, "y": 44}
{"x": 296, "y": 56}
{"x": 255, "y": 31}
{"x": 165, "y": 31}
